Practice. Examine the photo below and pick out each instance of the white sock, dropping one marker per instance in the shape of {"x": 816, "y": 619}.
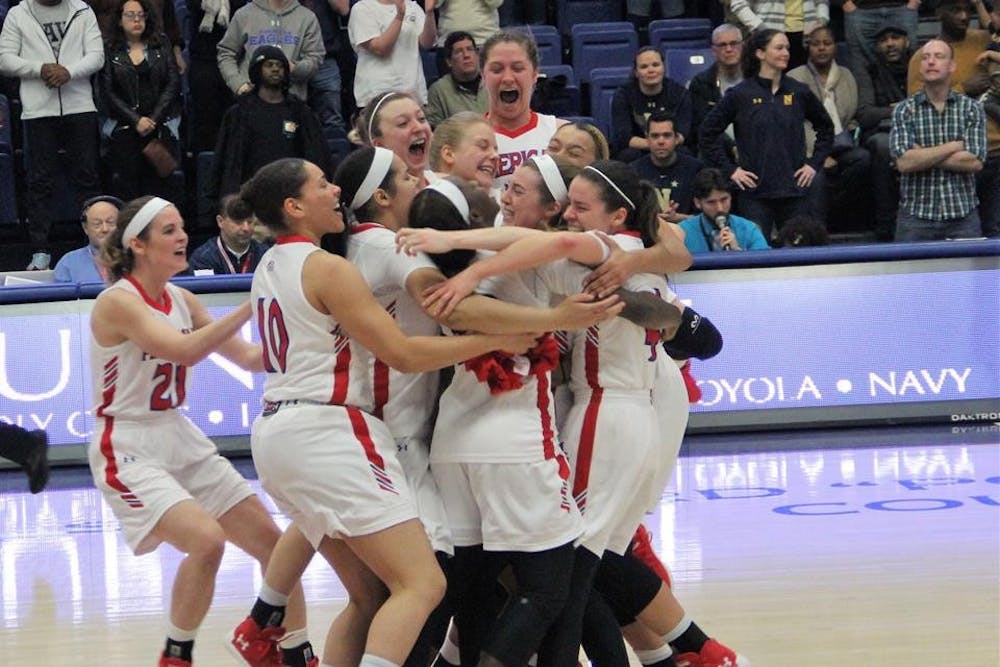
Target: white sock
{"x": 272, "y": 597}
{"x": 678, "y": 630}
{"x": 369, "y": 660}
{"x": 533, "y": 661}
{"x": 655, "y": 655}
{"x": 449, "y": 651}
{"x": 178, "y": 635}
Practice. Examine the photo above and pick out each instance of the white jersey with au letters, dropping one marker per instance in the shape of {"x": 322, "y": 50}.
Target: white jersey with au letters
{"x": 132, "y": 384}
{"x": 297, "y": 339}
{"x": 515, "y": 147}
{"x": 405, "y": 401}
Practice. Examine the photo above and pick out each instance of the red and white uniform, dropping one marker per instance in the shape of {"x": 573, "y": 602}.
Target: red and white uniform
{"x": 145, "y": 455}
{"x": 404, "y": 401}
{"x": 497, "y": 457}
{"x": 328, "y": 463}
{"x": 514, "y": 147}
{"x": 611, "y": 429}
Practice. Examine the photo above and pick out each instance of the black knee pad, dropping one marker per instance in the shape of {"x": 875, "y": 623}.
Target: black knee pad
{"x": 627, "y": 585}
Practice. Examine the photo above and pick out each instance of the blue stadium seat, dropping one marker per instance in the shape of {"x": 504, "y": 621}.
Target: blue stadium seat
{"x": 609, "y": 47}
{"x": 6, "y": 131}
{"x": 604, "y": 82}
{"x": 549, "y": 43}
{"x": 685, "y": 33}
{"x": 560, "y": 70}
{"x": 8, "y": 193}
{"x": 429, "y": 60}
{"x": 682, "y": 64}
{"x": 574, "y": 12}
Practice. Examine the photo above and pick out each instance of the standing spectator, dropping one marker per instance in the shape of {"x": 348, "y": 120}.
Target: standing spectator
{"x": 234, "y": 250}
{"x": 768, "y": 111}
{"x": 282, "y": 23}
{"x": 325, "y": 86}
{"x": 647, "y": 91}
{"x": 265, "y": 125}
{"x": 939, "y": 142}
{"x": 708, "y": 86}
{"x": 523, "y": 12}
{"x": 715, "y": 228}
{"x": 989, "y": 18}
{"x": 83, "y": 265}
{"x": 387, "y": 36}
{"x": 208, "y": 94}
{"x": 641, "y": 11}
{"x": 141, "y": 87}
{"x": 165, "y": 13}
{"x": 461, "y": 89}
{"x": 972, "y": 78}
{"x": 795, "y": 19}
{"x": 53, "y": 47}
{"x": 880, "y": 88}
{"x": 848, "y": 165}
{"x": 479, "y": 18}
{"x": 671, "y": 172}
{"x": 863, "y": 22}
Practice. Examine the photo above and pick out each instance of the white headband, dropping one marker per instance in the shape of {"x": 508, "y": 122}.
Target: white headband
{"x": 549, "y": 170}
{"x": 371, "y": 118}
{"x": 612, "y": 184}
{"x": 376, "y": 174}
{"x": 142, "y": 219}
{"x": 454, "y": 195}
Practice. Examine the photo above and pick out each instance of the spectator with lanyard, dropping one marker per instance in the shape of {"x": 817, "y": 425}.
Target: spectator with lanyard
{"x": 234, "y": 250}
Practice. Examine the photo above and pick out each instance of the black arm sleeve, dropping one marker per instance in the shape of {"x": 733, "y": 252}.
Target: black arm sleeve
{"x": 696, "y": 337}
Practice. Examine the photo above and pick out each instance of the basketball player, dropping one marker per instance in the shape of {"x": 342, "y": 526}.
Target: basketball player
{"x": 396, "y": 121}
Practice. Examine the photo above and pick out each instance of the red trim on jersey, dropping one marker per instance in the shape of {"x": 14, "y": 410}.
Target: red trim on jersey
{"x": 380, "y": 380}
{"x": 365, "y": 226}
{"x": 592, "y": 357}
{"x": 629, "y": 232}
{"x": 107, "y": 447}
{"x": 341, "y": 368}
{"x": 163, "y": 307}
{"x": 518, "y": 131}
{"x": 375, "y": 460}
{"x": 293, "y": 238}
{"x": 543, "y": 402}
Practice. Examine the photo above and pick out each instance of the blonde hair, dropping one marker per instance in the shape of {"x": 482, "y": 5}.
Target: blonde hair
{"x": 451, "y": 132}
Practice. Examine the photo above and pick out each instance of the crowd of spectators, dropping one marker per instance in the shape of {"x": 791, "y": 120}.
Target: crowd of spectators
{"x": 799, "y": 127}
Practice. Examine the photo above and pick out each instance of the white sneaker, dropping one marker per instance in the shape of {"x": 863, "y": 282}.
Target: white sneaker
{"x": 40, "y": 261}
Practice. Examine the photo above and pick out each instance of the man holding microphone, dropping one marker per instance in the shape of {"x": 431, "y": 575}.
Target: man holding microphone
{"x": 715, "y": 229}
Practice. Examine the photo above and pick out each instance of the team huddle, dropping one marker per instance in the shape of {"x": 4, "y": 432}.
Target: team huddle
{"x": 491, "y": 519}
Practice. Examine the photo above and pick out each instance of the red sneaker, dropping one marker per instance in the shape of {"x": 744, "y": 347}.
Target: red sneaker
{"x": 173, "y": 662}
{"x": 712, "y": 654}
{"x": 642, "y": 549}
{"x": 256, "y": 646}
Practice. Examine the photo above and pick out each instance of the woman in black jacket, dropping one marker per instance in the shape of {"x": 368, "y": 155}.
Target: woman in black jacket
{"x": 768, "y": 111}
{"x": 141, "y": 87}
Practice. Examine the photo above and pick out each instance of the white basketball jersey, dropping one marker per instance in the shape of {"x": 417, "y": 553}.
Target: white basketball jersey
{"x": 307, "y": 355}
{"x": 618, "y": 354}
{"x": 132, "y": 384}
{"x": 516, "y": 426}
{"x": 404, "y": 401}
{"x": 514, "y": 147}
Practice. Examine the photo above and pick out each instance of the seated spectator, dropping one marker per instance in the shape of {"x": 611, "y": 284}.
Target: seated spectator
{"x": 234, "y": 250}
{"x": 848, "y": 165}
{"x": 802, "y": 231}
{"x": 647, "y": 91}
{"x": 880, "y": 88}
{"x": 715, "y": 228}
{"x": 266, "y": 125}
{"x": 98, "y": 219}
{"x": 708, "y": 86}
{"x": 579, "y": 143}
{"x": 461, "y": 88}
{"x": 142, "y": 88}
{"x": 671, "y": 172}
{"x": 284, "y": 24}
{"x": 938, "y": 177}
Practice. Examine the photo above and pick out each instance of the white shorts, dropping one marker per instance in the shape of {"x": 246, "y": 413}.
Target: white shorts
{"x": 331, "y": 469}
{"x": 670, "y": 400}
{"x": 414, "y": 457}
{"x": 145, "y": 468}
{"x": 609, "y": 439}
{"x": 509, "y": 506}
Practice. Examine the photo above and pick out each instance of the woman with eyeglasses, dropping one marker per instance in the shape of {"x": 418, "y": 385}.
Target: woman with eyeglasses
{"x": 142, "y": 86}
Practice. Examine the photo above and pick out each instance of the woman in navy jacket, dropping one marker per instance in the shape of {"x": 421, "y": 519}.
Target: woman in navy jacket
{"x": 768, "y": 111}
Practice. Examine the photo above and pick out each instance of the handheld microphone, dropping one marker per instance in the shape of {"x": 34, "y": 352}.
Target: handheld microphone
{"x": 721, "y": 221}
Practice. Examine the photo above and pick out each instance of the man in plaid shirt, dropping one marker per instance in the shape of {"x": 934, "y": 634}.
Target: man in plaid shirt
{"x": 938, "y": 140}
